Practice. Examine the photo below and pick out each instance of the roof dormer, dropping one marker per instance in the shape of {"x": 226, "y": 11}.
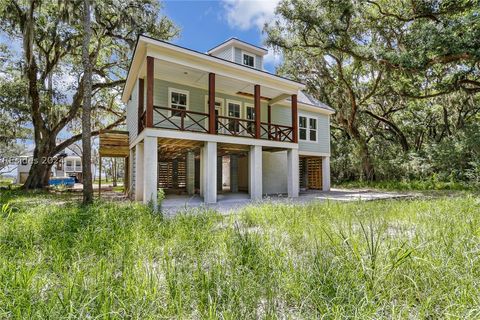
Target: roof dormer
{"x": 240, "y": 52}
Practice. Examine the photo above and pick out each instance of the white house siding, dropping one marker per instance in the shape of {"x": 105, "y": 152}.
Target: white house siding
{"x": 225, "y": 54}
{"x": 132, "y": 113}
{"x": 323, "y": 137}
{"x": 259, "y": 62}
{"x": 282, "y": 115}
{"x": 237, "y": 57}
{"x": 274, "y": 172}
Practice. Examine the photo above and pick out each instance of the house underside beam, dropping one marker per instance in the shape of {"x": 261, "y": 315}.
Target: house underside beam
{"x": 278, "y": 98}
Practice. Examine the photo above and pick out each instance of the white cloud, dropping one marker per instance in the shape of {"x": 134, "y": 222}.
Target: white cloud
{"x": 272, "y": 57}
{"x": 245, "y": 14}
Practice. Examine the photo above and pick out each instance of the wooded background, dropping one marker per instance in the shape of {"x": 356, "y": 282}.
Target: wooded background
{"x": 402, "y": 75}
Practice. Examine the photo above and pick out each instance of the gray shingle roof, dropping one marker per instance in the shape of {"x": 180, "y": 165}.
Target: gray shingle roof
{"x": 306, "y": 98}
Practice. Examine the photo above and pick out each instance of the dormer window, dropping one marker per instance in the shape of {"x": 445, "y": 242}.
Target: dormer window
{"x": 248, "y": 60}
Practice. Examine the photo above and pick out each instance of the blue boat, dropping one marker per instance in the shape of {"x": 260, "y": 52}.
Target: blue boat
{"x": 66, "y": 181}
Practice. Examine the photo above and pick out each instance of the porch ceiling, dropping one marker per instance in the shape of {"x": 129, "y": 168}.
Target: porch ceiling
{"x": 169, "y": 148}
{"x": 197, "y": 78}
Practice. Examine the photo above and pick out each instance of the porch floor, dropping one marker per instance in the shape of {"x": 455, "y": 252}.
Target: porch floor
{"x": 232, "y": 202}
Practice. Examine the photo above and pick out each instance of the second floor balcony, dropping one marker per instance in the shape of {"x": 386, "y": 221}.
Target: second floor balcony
{"x": 193, "y": 121}
{"x": 179, "y": 97}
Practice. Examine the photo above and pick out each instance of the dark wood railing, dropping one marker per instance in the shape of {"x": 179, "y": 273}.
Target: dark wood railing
{"x": 235, "y": 126}
{"x": 142, "y": 120}
{"x": 187, "y": 120}
{"x": 276, "y": 132}
{"x": 184, "y": 120}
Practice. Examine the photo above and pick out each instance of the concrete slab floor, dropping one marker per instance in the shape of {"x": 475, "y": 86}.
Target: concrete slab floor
{"x": 233, "y": 202}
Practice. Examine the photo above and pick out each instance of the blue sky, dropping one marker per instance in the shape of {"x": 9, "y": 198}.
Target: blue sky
{"x": 205, "y": 24}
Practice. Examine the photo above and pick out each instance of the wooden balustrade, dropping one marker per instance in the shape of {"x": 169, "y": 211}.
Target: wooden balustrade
{"x": 236, "y": 126}
{"x": 142, "y": 120}
{"x": 187, "y": 120}
{"x": 276, "y": 132}
{"x": 183, "y": 120}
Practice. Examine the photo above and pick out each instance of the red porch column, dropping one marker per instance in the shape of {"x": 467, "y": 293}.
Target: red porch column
{"x": 294, "y": 118}
{"x": 141, "y": 102}
{"x": 257, "y": 110}
{"x": 211, "y": 104}
{"x": 150, "y": 80}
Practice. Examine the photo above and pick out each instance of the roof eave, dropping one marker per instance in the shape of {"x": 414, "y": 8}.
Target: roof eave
{"x": 143, "y": 41}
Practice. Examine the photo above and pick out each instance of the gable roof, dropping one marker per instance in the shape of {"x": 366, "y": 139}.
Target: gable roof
{"x": 240, "y": 43}
{"x": 143, "y": 41}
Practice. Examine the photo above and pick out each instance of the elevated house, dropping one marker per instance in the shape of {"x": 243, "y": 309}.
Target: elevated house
{"x": 217, "y": 122}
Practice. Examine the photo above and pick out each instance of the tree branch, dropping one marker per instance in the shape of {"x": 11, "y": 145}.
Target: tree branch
{"x": 77, "y": 137}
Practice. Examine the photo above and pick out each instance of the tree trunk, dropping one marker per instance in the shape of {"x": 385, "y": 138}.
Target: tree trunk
{"x": 42, "y": 162}
{"x": 367, "y": 167}
{"x": 87, "y": 101}
{"x": 114, "y": 173}
{"x": 368, "y": 170}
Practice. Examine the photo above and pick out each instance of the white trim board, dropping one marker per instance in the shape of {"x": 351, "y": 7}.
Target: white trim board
{"x": 196, "y": 136}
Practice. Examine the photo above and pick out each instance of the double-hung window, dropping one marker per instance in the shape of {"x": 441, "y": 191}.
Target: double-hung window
{"x": 178, "y": 99}
{"x": 312, "y": 125}
{"x": 248, "y": 60}
{"x": 233, "y": 112}
{"x": 307, "y": 128}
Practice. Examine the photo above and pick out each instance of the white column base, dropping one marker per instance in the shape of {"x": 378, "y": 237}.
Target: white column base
{"x": 139, "y": 171}
{"x": 208, "y": 178}
{"x": 150, "y": 171}
{"x": 293, "y": 173}
{"x": 326, "y": 173}
{"x": 255, "y": 172}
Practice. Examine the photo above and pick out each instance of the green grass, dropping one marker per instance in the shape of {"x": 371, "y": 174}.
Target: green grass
{"x": 5, "y": 182}
{"x": 411, "y": 185}
{"x": 386, "y": 259}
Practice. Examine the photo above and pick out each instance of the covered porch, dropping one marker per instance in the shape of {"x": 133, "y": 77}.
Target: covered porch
{"x": 181, "y": 94}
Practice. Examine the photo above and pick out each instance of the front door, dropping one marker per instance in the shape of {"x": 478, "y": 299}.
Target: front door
{"x": 218, "y": 111}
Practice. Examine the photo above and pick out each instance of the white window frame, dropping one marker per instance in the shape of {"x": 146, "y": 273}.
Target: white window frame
{"x": 244, "y": 53}
{"x": 308, "y": 129}
{"x": 227, "y": 114}
{"x": 185, "y": 92}
{"x": 246, "y": 106}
